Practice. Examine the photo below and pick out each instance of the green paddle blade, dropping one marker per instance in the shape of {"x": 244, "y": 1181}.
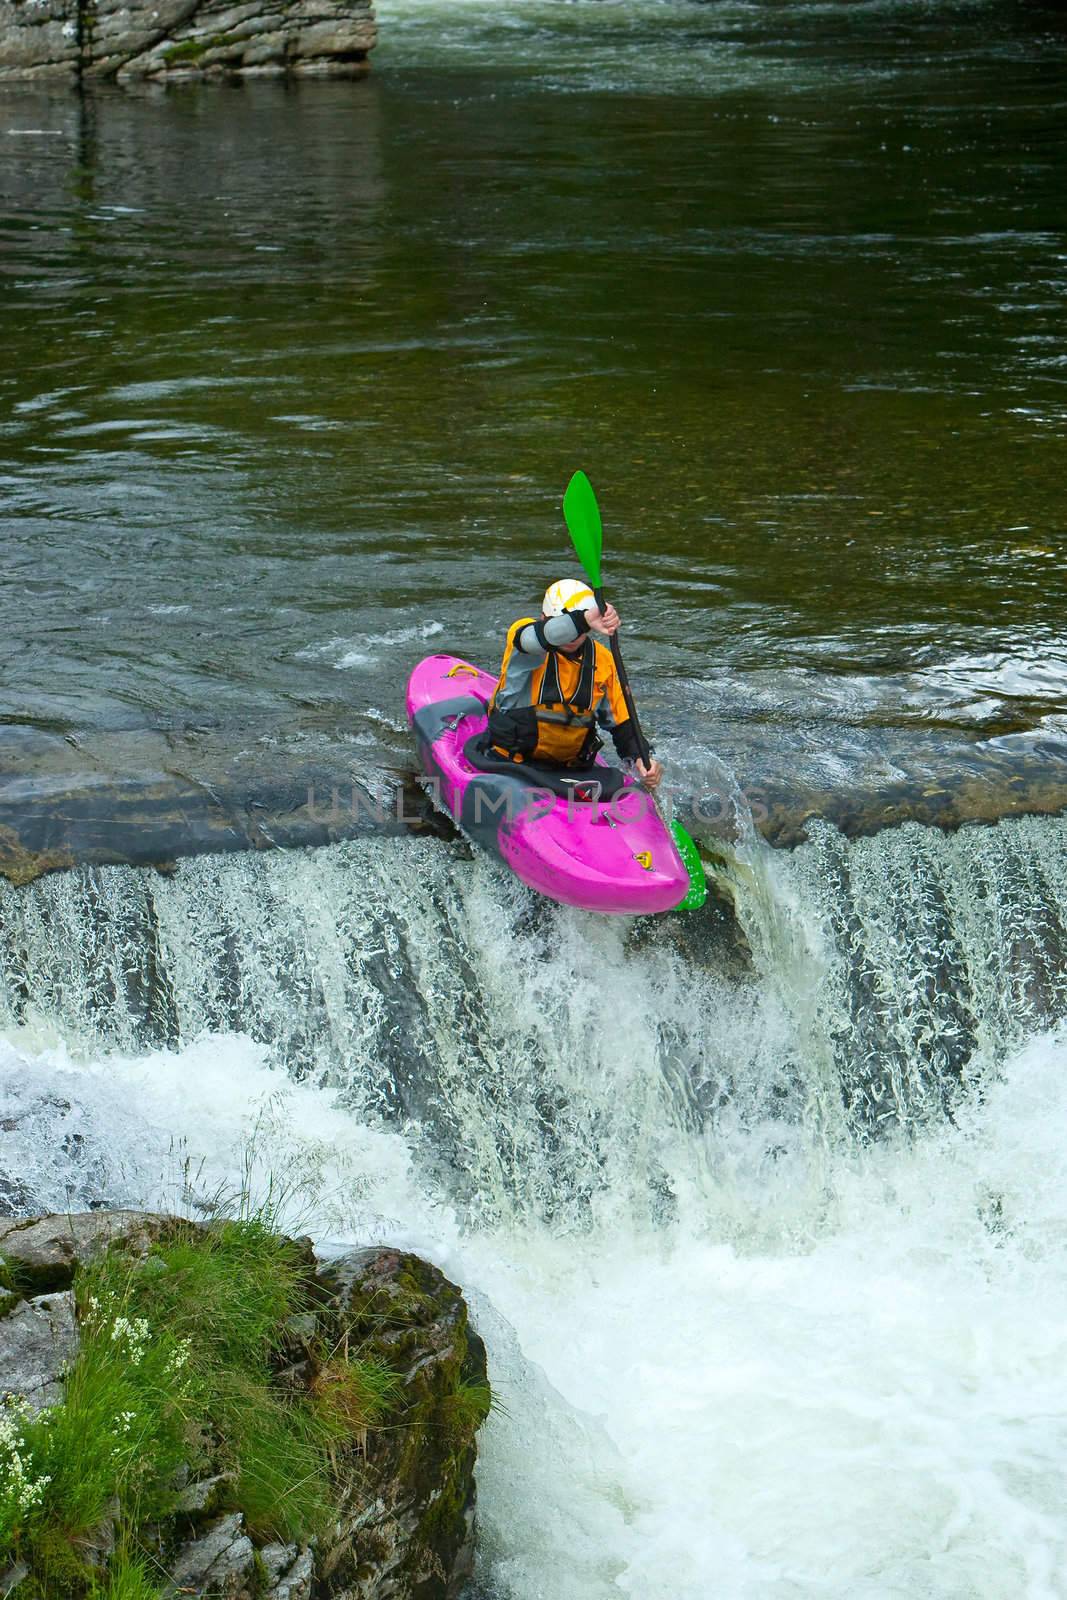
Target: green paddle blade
{"x": 697, "y": 892}
{"x": 582, "y": 516}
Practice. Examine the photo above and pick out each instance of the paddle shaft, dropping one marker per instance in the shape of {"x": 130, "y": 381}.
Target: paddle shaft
{"x": 627, "y": 692}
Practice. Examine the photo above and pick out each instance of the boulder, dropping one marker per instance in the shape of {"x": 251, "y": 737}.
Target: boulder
{"x": 38, "y": 1340}
{"x": 41, "y": 1253}
{"x": 407, "y": 1514}
{"x": 201, "y": 1498}
{"x": 287, "y": 1571}
{"x": 219, "y": 1564}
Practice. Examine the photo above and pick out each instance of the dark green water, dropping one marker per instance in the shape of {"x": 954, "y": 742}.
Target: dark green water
{"x": 293, "y": 378}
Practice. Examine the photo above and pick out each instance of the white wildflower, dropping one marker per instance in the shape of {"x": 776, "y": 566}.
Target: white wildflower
{"x": 95, "y": 1310}
{"x": 134, "y": 1333}
{"x": 20, "y": 1491}
{"x": 181, "y": 1355}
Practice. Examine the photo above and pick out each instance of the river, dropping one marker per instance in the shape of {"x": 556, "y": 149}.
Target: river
{"x": 763, "y": 1213}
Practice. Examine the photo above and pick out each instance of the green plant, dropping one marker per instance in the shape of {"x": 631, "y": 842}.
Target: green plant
{"x": 23, "y": 1478}
{"x": 127, "y": 1579}
{"x": 358, "y": 1391}
{"x": 467, "y": 1407}
{"x": 225, "y": 1289}
{"x": 173, "y": 1369}
{"x": 278, "y": 1450}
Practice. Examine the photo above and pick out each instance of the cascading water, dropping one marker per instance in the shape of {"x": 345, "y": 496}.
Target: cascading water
{"x": 763, "y": 1224}
{"x": 543, "y": 1065}
{"x": 931, "y": 955}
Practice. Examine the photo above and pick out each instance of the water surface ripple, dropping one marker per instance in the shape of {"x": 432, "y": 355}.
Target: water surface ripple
{"x": 294, "y": 376}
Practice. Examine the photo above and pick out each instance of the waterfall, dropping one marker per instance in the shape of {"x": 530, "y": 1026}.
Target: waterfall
{"x": 917, "y": 957}
{"x": 548, "y": 1062}
{"x": 761, "y": 1210}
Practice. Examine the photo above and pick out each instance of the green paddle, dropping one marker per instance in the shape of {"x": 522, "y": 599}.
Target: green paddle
{"x": 582, "y": 516}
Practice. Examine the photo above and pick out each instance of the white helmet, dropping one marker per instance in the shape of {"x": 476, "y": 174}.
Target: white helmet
{"x": 567, "y": 594}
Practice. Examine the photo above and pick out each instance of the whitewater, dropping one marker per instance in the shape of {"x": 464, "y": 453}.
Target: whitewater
{"x": 747, "y": 1343}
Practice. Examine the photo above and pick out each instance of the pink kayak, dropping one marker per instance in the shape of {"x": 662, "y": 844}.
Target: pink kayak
{"x": 598, "y": 845}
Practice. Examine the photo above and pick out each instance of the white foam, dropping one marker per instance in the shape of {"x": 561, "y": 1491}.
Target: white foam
{"x": 871, "y": 1409}
{"x": 363, "y": 649}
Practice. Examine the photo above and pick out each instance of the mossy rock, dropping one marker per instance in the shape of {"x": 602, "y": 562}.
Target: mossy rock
{"x": 363, "y": 1449}
{"x": 187, "y": 50}
{"x": 394, "y": 1307}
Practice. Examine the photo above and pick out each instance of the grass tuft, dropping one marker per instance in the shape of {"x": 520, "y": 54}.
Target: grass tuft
{"x": 358, "y": 1392}
{"x": 279, "y": 1452}
{"x": 126, "y": 1580}
{"x": 173, "y": 1372}
{"x": 467, "y": 1407}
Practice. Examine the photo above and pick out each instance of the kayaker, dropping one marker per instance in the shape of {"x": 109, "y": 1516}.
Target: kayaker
{"x": 558, "y": 684}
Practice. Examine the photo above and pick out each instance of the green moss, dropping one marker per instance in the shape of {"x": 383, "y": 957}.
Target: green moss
{"x": 190, "y": 50}
{"x": 187, "y": 50}
{"x": 442, "y": 1522}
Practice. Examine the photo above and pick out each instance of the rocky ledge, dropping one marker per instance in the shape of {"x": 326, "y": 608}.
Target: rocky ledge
{"x": 159, "y": 1435}
{"x": 77, "y": 39}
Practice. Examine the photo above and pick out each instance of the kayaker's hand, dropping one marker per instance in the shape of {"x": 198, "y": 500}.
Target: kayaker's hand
{"x": 650, "y": 776}
{"x": 603, "y": 621}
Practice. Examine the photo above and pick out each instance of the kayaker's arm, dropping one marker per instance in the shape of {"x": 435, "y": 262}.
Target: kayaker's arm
{"x": 614, "y": 715}
{"x": 624, "y": 739}
{"x": 557, "y": 632}
{"x": 552, "y": 632}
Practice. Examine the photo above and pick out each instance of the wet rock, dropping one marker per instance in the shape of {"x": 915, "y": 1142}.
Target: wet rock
{"x": 15, "y": 1198}
{"x": 184, "y": 38}
{"x": 38, "y": 1340}
{"x": 406, "y": 1525}
{"x": 41, "y": 1253}
{"x": 152, "y": 798}
{"x": 136, "y": 798}
{"x": 218, "y": 1565}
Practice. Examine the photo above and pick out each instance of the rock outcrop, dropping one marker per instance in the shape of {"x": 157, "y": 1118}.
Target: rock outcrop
{"x": 401, "y": 1522}
{"x": 406, "y": 1518}
{"x": 76, "y": 39}
{"x": 42, "y": 1254}
{"x": 39, "y": 1340}
{"x": 147, "y": 798}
